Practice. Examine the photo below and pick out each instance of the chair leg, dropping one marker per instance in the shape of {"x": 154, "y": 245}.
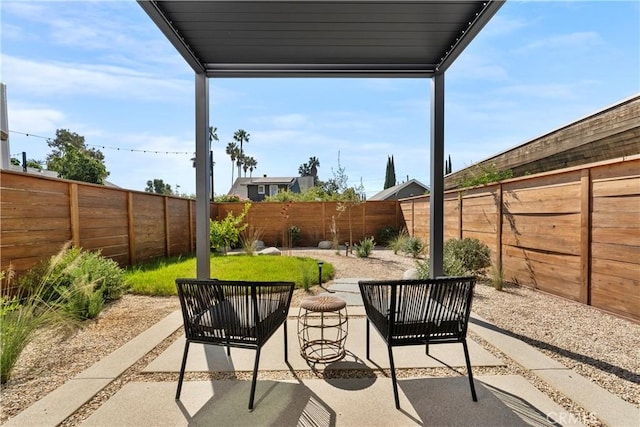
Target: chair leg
{"x": 286, "y": 356}
{"x": 466, "y": 357}
{"x": 182, "y": 368}
{"x": 368, "y": 358}
{"x": 426, "y": 350}
{"x": 255, "y": 377}
{"x": 393, "y": 377}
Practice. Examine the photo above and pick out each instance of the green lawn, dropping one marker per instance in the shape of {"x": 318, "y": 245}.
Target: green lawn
{"x": 158, "y": 278}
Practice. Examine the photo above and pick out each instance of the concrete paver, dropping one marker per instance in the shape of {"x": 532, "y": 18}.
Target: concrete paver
{"x": 344, "y": 402}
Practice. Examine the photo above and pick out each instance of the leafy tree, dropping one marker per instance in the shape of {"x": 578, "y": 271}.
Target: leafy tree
{"x": 159, "y": 187}
{"x": 225, "y": 233}
{"x": 310, "y": 169}
{"x": 72, "y": 159}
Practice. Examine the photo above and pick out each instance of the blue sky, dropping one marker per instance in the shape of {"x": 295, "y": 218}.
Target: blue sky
{"x": 103, "y": 70}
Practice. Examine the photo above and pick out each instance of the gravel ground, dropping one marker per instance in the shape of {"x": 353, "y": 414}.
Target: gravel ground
{"x": 599, "y": 346}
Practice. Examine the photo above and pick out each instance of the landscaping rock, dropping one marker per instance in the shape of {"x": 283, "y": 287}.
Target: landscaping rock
{"x": 410, "y": 274}
{"x": 270, "y": 251}
{"x": 325, "y": 244}
{"x": 259, "y": 245}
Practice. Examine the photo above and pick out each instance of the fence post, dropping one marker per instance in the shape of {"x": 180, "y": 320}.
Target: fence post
{"x": 132, "y": 238}
{"x": 74, "y": 214}
{"x": 167, "y": 238}
{"x": 191, "y": 239}
{"x": 459, "y": 215}
{"x": 499, "y": 228}
{"x": 585, "y": 236}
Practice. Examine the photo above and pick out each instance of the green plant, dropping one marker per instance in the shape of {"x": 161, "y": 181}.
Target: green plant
{"x": 21, "y": 316}
{"x": 399, "y": 241}
{"x": 293, "y": 236}
{"x": 79, "y": 281}
{"x": 385, "y": 234}
{"x": 474, "y": 254}
{"x": 307, "y": 276}
{"x": 497, "y": 277}
{"x": 365, "y": 248}
{"x": 451, "y": 266}
{"x": 485, "y": 174}
{"x": 414, "y": 246}
{"x": 226, "y": 232}
{"x": 249, "y": 240}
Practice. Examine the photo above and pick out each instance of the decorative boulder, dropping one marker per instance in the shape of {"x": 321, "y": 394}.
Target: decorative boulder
{"x": 325, "y": 244}
{"x": 259, "y": 245}
{"x": 270, "y": 251}
{"x": 410, "y": 274}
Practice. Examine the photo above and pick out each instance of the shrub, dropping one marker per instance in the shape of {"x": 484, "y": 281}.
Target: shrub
{"x": 21, "y": 316}
{"x": 293, "y": 236}
{"x": 461, "y": 257}
{"x": 451, "y": 266}
{"x": 474, "y": 254}
{"x": 249, "y": 240}
{"x": 414, "y": 246}
{"x": 307, "y": 277}
{"x": 385, "y": 234}
{"x": 79, "y": 281}
{"x": 497, "y": 277}
{"x": 365, "y": 248}
{"x": 399, "y": 242}
{"x": 226, "y": 233}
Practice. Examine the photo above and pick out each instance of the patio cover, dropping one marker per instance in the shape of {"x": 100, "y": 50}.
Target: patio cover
{"x": 327, "y": 38}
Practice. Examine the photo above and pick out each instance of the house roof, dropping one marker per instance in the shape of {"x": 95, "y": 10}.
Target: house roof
{"x": 262, "y": 38}
{"x": 387, "y": 192}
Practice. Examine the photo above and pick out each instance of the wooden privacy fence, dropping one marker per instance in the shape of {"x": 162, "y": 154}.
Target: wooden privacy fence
{"x": 315, "y": 220}
{"x": 573, "y": 232}
{"x": 39, "y": 215}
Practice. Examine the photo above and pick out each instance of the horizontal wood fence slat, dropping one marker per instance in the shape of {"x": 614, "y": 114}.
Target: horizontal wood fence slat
{"x": 573, "y": 232}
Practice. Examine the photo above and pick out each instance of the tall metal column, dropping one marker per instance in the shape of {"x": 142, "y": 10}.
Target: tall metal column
{"x": 203, "y": 269}
{"x": 436, "y": 200}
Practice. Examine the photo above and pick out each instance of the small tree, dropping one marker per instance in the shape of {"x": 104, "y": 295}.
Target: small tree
{"x": 226, "y": 233}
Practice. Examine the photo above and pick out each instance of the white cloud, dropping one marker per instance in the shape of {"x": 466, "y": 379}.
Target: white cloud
{"x": 48, "y": 78}
{"x": 581, "y": 41}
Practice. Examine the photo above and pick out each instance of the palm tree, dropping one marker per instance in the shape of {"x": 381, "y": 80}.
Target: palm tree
{"x": 232, "y": 150}
{"x": 314, "y": 163}
{"x": 252, "y": 164}
{"x": 241, "y": 136}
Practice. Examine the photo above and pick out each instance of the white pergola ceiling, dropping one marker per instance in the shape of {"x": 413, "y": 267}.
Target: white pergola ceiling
{"x": 318, "y": 38}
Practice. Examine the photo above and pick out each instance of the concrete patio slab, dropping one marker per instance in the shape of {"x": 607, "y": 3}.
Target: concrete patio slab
{"x": 204, "y": 358}
{"x": 344, "y": 402}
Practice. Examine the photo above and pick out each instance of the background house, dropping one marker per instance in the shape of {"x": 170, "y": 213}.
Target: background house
{"x": 256, "y": 189}
{"x": 411, "y": 188}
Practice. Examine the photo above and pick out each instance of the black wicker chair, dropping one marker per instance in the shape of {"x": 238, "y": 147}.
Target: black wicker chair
{"x": 414, "y": 312}
{"x": 233, "y": 314}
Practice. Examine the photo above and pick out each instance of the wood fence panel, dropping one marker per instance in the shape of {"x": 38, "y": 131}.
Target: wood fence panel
{"x": 479, "y": 215}
{"x": 380, "y": 214}
{"x": 148, "y": 227}
{"x": 615, "y": 238}
{"x": 103, "y": 223}
{"x": 452, "y": 216}
{"x": 179, "y": 235}
{"x": 35, "y": 219}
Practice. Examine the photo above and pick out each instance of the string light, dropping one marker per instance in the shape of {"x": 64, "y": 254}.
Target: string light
{"x": 106, "y": 147}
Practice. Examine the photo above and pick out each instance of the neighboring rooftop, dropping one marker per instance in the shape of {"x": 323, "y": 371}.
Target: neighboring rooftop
{"x": 410, "y": 188}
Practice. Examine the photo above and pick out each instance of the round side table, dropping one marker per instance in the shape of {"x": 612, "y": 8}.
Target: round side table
{"x": 322, "y": 328}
